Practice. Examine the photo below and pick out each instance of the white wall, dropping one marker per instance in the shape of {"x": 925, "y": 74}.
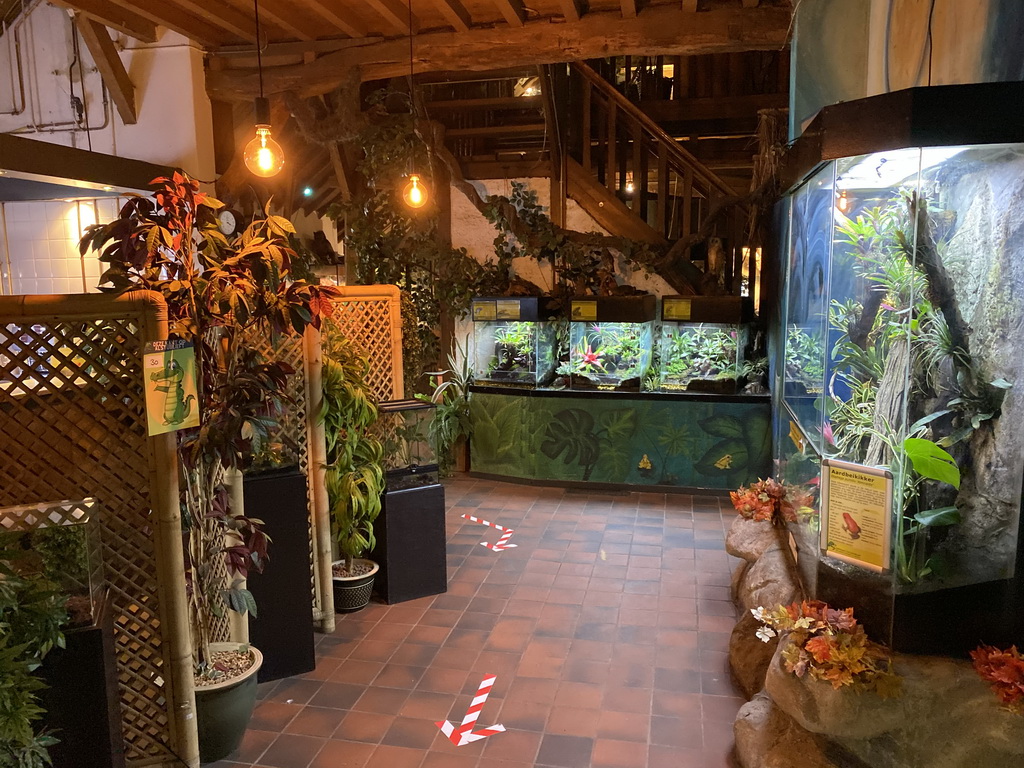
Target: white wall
{"x": 39, "y": 245}
{"x": 175, "y": 125}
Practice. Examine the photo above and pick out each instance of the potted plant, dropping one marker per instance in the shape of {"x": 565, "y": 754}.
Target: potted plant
{"x": 354, "y": 477}
{"x": 451, "y": 426}
{"x": 218, "y": 291}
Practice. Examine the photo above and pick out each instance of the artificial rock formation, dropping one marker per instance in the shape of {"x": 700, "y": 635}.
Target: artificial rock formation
{"x": 945, "y": 716}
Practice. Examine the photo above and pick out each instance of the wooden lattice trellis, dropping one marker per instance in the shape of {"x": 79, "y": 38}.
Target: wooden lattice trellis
{"x": 371, "y": 317}
{"x": 73, "y": 426}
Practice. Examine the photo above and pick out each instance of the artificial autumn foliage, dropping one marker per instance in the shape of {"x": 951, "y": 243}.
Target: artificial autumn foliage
{"x": 1004, "y": 671}
{"x": 830, "y": 645}
{"x": 769, "y": 501}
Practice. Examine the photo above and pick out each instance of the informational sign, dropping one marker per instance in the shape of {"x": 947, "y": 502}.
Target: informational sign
{"x": 507, "y": 309}
{"x": 169, "y": 370}
{"x": 485, "y": 310}
{"x": 584, "y": 310}
{"x": 676, "y": 309}
{"x": 856, "y": 513}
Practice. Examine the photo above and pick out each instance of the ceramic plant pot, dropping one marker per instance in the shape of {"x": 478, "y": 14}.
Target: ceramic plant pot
{"x": 223, "y": 709}
{"x": 352, "y": 593}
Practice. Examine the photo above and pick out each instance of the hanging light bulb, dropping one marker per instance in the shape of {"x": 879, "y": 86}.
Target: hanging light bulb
{"x": 414, "y": 194}
{"x": 262, "y": 155}
{"x": 843, "y": 202}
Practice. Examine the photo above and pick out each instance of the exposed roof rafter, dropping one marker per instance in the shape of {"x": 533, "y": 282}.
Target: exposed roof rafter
{"x": 513, "y": 11}
{"x": 455, "y": 13}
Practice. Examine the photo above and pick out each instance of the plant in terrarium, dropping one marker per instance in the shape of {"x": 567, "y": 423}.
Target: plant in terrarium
{"x": 220, "y": 294}
{"x": 804, "y": 363}
{"x": 513, "y": 348}
{"x": 699, "y": 353}
{"x": 585, "y": 359}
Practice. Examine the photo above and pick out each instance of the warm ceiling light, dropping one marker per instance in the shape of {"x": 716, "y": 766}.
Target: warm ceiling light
{"x": 262, "y": 155}
{"x": 414, "y": 194}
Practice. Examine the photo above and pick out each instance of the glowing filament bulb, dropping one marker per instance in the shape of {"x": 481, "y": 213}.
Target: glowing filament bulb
{"x": 264, "y": 156}
{"x": 414, "y": 194}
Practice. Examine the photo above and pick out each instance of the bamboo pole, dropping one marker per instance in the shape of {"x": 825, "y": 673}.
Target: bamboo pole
{"x": 316, "y": 447}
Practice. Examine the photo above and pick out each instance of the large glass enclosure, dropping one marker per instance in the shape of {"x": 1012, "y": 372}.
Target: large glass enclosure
{"x": 610, "y": 343}
{"x": 404, "y": 429}
{"x": 702, "y": 344}
{"x": 901, "y": 333}
{"x": 513, "y": 345}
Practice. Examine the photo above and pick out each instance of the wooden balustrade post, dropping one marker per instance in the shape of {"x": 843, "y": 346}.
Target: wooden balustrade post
{"x": 661, "y": 211}
{"x": 610, "y": 166}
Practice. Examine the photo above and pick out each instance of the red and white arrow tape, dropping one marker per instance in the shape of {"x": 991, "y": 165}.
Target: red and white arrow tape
{"x": 465, "y": 734}
{"x": 500, "y": 544}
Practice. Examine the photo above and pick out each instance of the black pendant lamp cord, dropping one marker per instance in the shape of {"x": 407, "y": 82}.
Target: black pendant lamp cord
{"x": 259, "y": 45}
{"x": 410, "y": 57}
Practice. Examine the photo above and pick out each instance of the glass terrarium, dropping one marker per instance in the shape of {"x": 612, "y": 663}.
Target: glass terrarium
{"x": 403, "y": 428}
{"x": 900, "y": 365}
{"x": 610, "y": 342}
{"x": 513, "y": 343}
{"x": 703, "y": 340}
{"x": 60, "y": 541}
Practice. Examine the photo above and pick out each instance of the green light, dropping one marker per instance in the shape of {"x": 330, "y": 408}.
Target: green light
{"x": 307, "y": 191}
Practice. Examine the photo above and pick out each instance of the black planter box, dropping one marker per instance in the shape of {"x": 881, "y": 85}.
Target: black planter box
{"x": 411, "y": 544}
{"x": 83, "y": 709}
{"x": 283, "y": 626}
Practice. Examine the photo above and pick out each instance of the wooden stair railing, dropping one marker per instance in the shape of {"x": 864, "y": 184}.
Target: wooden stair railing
{"x": 660, "y": 182}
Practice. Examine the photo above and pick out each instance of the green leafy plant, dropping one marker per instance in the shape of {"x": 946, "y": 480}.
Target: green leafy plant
{"x": 218, "y": 292}
{"x": 31, "y": 615}
{"x": 451, "y": 396}
{"x": 355, "y": 477}
{"x": 514, "y": 348}
{"x": 829, "y": 645}
{"x": 698, "y": 352}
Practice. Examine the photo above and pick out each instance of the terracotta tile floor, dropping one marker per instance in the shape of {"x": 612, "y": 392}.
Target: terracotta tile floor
{"x": 607, "y": 628}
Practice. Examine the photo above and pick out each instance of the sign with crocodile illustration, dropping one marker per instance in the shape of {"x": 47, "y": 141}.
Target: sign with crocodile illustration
{"x": 170, "y": 378}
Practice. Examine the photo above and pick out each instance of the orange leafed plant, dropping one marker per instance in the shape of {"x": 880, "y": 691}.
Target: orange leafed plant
{"x": 770, "y": 501}
{"x": 830, "y": 645}
{"x": 1004, "y": 671}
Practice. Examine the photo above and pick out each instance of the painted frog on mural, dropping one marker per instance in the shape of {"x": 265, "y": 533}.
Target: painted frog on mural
{"x": 177, "y": 407}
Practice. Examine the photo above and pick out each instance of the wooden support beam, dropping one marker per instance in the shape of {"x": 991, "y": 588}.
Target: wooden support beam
{"x": 690, "y": 5}
{"x": 629, "y": 8}
{"x": 111, "y": 68}
{"x": 751, "y": 3}
{"x": 495, "y": 102}
{"x": 495, "y": 130}
{"x": 513, "y": 11}
{"x": 455, "y": 13}
{"x": 396, "y": 14}
{"x": 117, "y": 18}
{"x": 712, "y": 108}
{"x": 174, "y": 19}
{"x": 663, "y": 29}
{"x": 341, "y": 171}
{"x": 341, "y": 20}
{"x": 281, "y": 14}
{"x": 572, "y": 10}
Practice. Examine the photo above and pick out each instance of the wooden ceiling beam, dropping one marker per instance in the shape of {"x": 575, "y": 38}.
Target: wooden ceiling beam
{"x": 111, "y": 68}
{"x": 659, "y": 30}
{"x": 629, "y": 8}
{"x": 493, "y": 102}
{"x": 342, "y": 20}
{"x": 175, "y": 19}
{"x": 222, "y": 15}
{"x": 114, "y": 16}
{"x": 572, "y": 10}
{"x": 513, "y": 11}
{"x": 455, "y": 13}
{"x": 396, "y": 14}
{"x": 282, "y": 16}
{"x": 690, "y": 5}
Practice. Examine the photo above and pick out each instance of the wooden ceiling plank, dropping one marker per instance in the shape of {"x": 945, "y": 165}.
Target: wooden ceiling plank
{"x": 349, "y": 26}
{"x": 221, "y": 15}
{"x": 396, "y": 14}
{"x": 660, "y": 29}
{"x": 117, "y": 18}
{"x": 110, "y": 66}
{"x": 283, "y": 17}
{"x": 513, "y": 11}
{"x": 572, "y": 10}
{"x": 690, "y": 5}
{"x": 629, "y": 9}
{"x": 493, "y": 102}
{"x": 455, "y": 13}
{"x": 176, "y": 20}
{"x": 341, "y": 172}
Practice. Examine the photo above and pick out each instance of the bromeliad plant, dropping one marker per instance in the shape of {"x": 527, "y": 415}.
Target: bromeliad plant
{"x": 829, "y": 645}
{"x": 219, "y": 293}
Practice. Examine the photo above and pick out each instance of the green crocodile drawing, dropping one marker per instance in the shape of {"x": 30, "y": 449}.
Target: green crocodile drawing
{"x": 177, "y": 407}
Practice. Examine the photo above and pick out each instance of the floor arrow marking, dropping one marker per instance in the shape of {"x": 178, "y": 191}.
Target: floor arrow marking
{"x": 501, "y": 544}
{"x": 465, "y": 734}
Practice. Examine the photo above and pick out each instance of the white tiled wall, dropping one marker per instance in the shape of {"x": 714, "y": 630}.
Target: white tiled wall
{"x": 39, "y": 245}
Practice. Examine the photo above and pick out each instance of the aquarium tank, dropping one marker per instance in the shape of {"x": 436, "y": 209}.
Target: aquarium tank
{"x": 61, "y": 542}
{"x": 899, "y": 363}
{"x": 610, "y": 342}
{"x": 702, "y": 343}
{"x": 404, "y": 429}
{"x": 513, "y": 342}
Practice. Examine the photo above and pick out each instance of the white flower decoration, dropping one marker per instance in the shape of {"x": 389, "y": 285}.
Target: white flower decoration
{"x": 759, "y": 614}
{"x": 765, "y": 634}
